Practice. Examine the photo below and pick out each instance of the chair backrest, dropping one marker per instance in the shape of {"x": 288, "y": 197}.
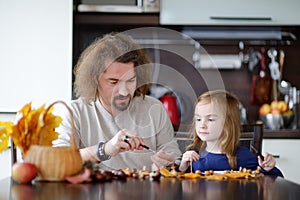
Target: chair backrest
{"x": 13, "y": 152}
{"x": 251, "y": 137}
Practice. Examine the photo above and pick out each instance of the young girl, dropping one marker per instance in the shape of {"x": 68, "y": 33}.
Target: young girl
{"x": 216, "y": 133}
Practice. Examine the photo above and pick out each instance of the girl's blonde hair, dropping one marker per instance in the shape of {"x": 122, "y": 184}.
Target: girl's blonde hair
{"x": 230, "y": 137}
{"x": 113, "y": 47}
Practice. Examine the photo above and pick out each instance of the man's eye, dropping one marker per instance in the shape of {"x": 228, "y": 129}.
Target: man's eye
{"x": 113, "y": 82}
{"x": 132, "y": 80}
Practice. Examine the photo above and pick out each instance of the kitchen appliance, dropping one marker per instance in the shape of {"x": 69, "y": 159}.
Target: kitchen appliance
{"x": 119, "y": 6}
{"x": 170, "y": 103}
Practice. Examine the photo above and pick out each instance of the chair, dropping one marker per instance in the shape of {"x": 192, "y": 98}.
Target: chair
{"x": 251, "y": 137}
{"x": 13, "y": 152}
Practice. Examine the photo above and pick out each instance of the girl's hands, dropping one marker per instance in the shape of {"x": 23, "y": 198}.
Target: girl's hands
{"x": 268, "y": 163}
{"x": 187, "y": 158}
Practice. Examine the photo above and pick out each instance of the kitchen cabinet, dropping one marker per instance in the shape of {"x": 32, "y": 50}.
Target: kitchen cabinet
{"x": 231, "y": 12}
{"x": 288, "y": 160}
{"x": 88, "y": 26}
{"x": 36, "y": 52}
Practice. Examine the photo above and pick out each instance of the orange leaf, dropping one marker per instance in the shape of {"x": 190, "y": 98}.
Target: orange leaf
{"x": 33, "y": 127}
{"x": 5, "y": 132}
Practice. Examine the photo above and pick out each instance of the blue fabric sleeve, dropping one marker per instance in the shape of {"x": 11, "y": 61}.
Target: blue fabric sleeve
{"x": 219, "y": 162}
{"x": 249, "y": 160}
{"x": 273, "y": 172}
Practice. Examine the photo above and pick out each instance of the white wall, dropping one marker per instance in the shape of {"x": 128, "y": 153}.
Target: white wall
{"x": 35, "y": 57}
{"x": 35, "y": 52}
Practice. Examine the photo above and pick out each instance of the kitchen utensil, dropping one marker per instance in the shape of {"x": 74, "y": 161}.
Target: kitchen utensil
{"x": 287, "y": 119}
{"x": 281, "y": 61}
{"x": 274, "y": 66}
{"x": 283, "y": 86}
{"x": 275, "y": 73}
{"x": 254, "y": 58}
{"x": 261, "y": 83}
{"x": 274, "y": 121}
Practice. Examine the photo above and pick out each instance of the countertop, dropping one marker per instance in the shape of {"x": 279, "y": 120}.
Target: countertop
{"x": 266, "y": 187}
{"x": 281, "y": 134}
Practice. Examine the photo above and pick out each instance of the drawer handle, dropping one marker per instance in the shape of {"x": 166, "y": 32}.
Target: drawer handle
{"x": 242, "y": 18}
{"x": 276, "y": 156}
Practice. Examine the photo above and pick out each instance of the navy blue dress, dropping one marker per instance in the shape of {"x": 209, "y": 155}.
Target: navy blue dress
{"x": 219, "y": 162}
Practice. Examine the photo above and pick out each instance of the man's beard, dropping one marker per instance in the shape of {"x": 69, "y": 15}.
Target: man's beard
{"x": 121, "y": 106}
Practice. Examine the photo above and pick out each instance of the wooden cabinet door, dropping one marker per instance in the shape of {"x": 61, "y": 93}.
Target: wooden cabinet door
{"x": 288, "y": 161}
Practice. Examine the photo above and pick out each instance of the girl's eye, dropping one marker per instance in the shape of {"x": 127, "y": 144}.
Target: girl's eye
{"x": 211, "y": 120}
{"x": 208, "y": 120}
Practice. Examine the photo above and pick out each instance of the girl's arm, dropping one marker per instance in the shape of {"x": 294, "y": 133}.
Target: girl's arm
{"x": 187, "y": 158}
{"x": 268, "y": 165}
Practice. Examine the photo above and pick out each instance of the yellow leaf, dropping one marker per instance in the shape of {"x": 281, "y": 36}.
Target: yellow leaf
{"x": 5, "y": 132}
{"x": 33, "y": 127}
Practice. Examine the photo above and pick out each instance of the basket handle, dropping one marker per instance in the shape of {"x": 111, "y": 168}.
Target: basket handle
{"x": 72, "y": 139}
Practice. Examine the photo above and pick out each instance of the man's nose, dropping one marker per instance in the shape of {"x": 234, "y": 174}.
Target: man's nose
{"x": 123, "y": 89}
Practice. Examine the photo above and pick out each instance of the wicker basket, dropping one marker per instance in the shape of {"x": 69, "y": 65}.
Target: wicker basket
{"x": 55, "y": 164}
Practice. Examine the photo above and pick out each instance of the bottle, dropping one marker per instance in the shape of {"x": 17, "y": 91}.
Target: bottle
{"x": 297, "y": 109}
{"x": 293, "y": 105}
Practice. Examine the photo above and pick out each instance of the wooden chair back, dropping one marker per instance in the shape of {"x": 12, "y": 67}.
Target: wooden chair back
{"x": 251, "y": 137}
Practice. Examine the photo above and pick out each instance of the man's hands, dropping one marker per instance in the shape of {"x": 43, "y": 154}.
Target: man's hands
{"x": 162, "y": 159}
{"x": 119, "y": 143}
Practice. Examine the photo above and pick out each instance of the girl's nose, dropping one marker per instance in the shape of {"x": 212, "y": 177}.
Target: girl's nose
{"x": 203, "y": 123}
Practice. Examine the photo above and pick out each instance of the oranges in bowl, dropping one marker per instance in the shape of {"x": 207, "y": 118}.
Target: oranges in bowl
{"x": 276, "y": 114}
{"x": 275, "y": 107}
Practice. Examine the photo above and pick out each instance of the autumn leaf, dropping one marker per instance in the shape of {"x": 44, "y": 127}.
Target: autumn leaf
{"x": 47, "y": 133}
{"x": 5, "y": 132}
{"x": 33, "y": 127}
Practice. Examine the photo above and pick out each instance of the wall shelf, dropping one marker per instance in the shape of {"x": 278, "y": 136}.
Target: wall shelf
{"x": 282, "y": 134}
{"x": 144, "y": 19}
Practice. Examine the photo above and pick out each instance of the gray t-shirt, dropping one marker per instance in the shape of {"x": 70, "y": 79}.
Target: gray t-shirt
{"x": 147, "y": 117}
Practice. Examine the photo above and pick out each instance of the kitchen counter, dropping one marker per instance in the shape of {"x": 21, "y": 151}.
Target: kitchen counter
{"x": 282, "y": 134}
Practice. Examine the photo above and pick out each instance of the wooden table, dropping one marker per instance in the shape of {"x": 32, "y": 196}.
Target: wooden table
{"x": 169, "y": 188}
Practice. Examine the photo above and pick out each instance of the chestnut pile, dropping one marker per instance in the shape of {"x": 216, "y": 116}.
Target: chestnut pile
{"x": 92, "y": 173}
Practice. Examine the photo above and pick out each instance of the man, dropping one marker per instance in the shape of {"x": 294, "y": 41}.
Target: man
{"x": 114, "y": 118}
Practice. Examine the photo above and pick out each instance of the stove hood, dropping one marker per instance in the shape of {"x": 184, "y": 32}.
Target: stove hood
{"x": 230, "y": 13}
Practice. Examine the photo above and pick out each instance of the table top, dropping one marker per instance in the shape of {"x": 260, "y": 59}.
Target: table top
{"x": 265, "y": 187}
